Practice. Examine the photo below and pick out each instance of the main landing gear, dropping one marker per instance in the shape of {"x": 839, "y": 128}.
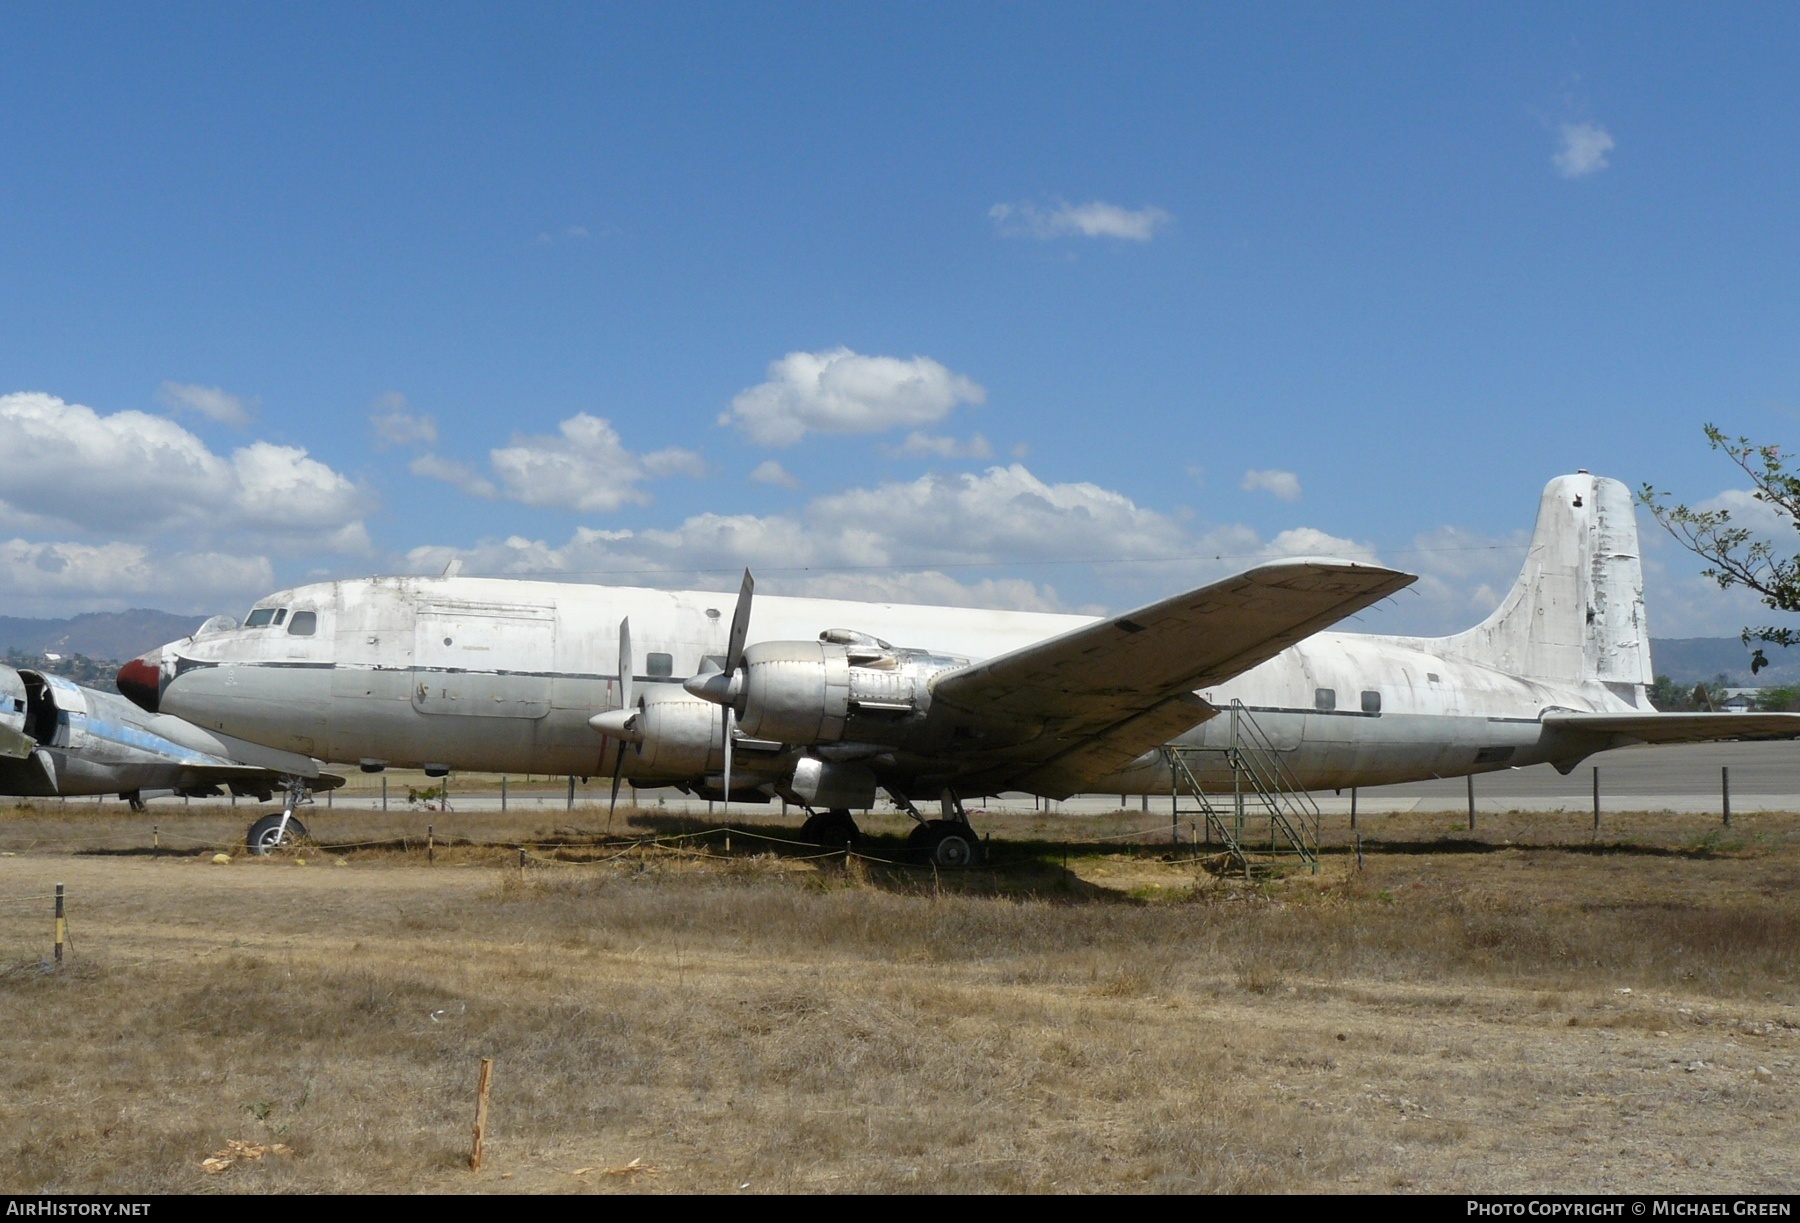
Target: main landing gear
{"x": 833, "y": 829}
{"x": 282, "y": 829}
{"x": 949, "y": 843}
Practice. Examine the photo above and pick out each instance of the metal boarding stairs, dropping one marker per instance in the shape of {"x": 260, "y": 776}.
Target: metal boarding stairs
{"x": 1263, "y": 790}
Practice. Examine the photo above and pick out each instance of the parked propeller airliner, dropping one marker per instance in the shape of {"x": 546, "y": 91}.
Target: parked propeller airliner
{"x": 807, "y": 699}
{"x": 60, "y": 739}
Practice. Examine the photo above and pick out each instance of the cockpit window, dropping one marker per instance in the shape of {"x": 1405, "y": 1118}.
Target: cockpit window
{"x": 281, "y": 615}
{"x": 305, "y": 624}
{"x": 259, "y": 617}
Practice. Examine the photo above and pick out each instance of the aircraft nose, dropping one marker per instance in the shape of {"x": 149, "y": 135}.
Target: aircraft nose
{"x": 140, "y": 681}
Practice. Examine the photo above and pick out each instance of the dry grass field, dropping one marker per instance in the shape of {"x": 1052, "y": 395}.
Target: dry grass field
{"x": 1526, "y": 1008}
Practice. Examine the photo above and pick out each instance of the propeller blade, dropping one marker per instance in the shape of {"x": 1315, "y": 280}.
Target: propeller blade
{"x": 627, "y": 664}
{"x": 727, "y": 720}
{"x": 740, "y": 626}
{"x": 618, "y": 775}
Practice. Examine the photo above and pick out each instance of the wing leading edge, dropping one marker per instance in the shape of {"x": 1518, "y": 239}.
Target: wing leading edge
{"x": 1099, "y": 696}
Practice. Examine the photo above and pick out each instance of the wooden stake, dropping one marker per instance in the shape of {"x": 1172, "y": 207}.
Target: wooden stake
{"x": 481, "y": 1103}
{"x": 62, "y": 925}
{"x": 155, "y": 837}
{"x": 1725, "y": 791}
{"x": 1471, "y": 780}
{"x": 430, "y": 844}
{"x": 1596, "y": 798}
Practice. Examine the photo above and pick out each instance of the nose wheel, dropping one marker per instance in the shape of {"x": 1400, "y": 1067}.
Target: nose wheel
{"x": 272, "y": 831}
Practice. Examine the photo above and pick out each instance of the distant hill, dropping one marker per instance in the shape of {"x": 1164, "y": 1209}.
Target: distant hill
{"x": 99, "y": 635}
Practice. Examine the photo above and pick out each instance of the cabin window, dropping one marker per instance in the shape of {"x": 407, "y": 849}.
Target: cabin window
{"x": 659, "y": 666}
{"x": 1324, "y": 699}
{"x": 259, "y": 617}
{"x": 1371, "y": 702}
{"x": 305, "y": 624}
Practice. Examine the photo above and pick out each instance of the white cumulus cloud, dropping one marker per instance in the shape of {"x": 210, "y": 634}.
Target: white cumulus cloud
{"x": 1095, "y": 219}
{"x": 47, "y": 578}
{"x": 396, "y": 424}
{"x": 583, "y": 466}
{"x": 1282, "y": 484}
{"x": 212, "y": 402}
{"x": 1583, "y": 149}
{"x": 770, "y": 472}
{"x": 840, "y": 391}
{"x": 64, "y": 466}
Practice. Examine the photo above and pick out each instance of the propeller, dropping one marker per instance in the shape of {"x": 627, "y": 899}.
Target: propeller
{"x": 734, "y": 659}
{"x": 723, "y": 688}
{"x": 626, "y": 666}
{"x": 620, "y": 724}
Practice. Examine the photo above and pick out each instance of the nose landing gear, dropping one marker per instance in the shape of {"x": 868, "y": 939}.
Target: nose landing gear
{"x": 272, "y": 831}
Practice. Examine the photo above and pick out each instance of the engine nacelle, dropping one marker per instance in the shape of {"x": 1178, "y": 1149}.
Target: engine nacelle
{"x": 845, "y": 685}
{"x": 680, "y": 735}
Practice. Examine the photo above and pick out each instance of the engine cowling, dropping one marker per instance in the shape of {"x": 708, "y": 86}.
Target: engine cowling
{"x": 844, "y": 686}
{"x": 678, "y": 735}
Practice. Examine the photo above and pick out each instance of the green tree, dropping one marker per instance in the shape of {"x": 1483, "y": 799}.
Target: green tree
{"x": 1734, "y": 556}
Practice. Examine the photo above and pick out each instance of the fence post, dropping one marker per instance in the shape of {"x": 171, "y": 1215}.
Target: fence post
{"x": 62, "y": 924}
{"x": 1725, "y": 791}
{"x": 430, "y": 844}
{"x": 503, "y": 794}
{"x": 571, "y": 792}
{"x": 1471, "y": 781}
{"x": 1352, "y": 808}
{"x": 155, "y": 837}
{"x": 384, "y": 793}
{"x": 1596, "y": 798}
{"x": 481, "y": 1105}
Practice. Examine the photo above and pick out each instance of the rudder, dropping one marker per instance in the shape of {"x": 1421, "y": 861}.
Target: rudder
{"x": 1576, "y": 612}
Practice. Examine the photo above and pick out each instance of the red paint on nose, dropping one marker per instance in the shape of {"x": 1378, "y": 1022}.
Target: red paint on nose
{"x": 141, "y": 683}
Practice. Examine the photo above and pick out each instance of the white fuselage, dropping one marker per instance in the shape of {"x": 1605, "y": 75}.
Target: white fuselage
{"x": 504, "y": 675}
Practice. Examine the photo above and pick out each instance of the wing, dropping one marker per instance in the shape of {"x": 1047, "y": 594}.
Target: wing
{"x": 1078, "y": 706}
{"x": 1626, "y": 728}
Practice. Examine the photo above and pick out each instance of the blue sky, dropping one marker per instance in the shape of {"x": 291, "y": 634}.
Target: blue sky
{"x": 937, "y": 303}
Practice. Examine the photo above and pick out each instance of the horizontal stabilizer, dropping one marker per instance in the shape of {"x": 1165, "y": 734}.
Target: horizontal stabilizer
{"x": 1677, "y": 727}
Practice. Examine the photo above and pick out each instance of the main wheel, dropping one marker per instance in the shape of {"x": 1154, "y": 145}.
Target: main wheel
{"x": 947, "y": 844}
{"x": 266, "y": 833}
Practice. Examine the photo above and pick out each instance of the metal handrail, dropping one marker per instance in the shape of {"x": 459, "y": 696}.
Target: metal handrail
{"x": 1292, "y": 812}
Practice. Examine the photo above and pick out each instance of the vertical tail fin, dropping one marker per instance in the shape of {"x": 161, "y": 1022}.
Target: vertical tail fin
{"x": 1577, "y": 611}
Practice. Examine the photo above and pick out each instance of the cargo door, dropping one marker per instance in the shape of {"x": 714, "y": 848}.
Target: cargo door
{"x": 483, "y": 660}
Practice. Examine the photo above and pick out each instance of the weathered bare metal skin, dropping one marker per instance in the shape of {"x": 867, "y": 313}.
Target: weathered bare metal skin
{"x": 504, "y": 675}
